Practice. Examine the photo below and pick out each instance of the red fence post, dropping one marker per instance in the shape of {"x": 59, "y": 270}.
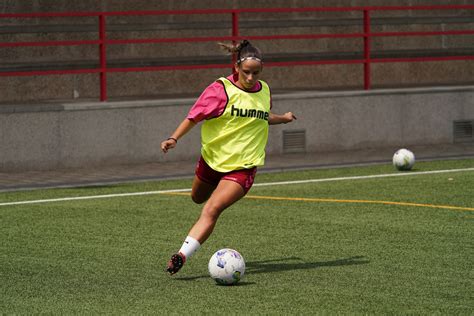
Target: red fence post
{"x": 103, "y": 59}
{"x": 235, "y": 32}
{"x": 366, "y": 49}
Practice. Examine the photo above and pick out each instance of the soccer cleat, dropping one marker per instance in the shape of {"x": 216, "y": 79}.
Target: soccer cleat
{"x": 176, "y": 263}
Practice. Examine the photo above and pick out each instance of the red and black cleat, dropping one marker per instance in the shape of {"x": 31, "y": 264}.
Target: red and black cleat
{"x": 176, "y": 263}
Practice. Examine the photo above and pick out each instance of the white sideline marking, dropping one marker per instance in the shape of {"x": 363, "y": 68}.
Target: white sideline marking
{"x": 91, "y": 197}
{"x": 363, "y": 177}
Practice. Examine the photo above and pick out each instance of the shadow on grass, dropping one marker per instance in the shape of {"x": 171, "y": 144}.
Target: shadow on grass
{"x": 288, "y": 264}
{"x": 295, "y": 263}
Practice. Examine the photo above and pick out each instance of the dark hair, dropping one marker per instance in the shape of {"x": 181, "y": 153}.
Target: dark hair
{"x": 244, "y": 50}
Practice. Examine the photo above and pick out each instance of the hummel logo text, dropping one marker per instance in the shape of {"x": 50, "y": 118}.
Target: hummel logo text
{"x": 249, "y": 113}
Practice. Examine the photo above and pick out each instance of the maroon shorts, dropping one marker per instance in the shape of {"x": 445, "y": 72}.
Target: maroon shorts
{"x": 244, "y": 177}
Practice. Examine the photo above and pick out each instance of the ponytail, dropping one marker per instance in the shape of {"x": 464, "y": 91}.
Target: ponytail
{"x": 244, "y": 50}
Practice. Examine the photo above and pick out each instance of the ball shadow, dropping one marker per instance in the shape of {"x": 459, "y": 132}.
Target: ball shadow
{"x": 286, "y": 264}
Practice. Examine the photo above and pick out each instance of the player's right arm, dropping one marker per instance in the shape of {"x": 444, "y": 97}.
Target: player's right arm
{"x": 185, "y": 126}
{"x": 211, "y": 103}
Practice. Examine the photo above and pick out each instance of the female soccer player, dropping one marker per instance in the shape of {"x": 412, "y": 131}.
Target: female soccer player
{"x": 236, "y": 114}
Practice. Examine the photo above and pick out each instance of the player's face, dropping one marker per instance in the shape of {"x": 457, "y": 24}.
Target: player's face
{"x": 249, "y": 71}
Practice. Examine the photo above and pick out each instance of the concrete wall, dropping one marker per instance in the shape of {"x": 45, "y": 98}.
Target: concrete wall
{"x": 51, "y": 136}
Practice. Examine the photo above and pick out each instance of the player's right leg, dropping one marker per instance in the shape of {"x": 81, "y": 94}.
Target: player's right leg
{"x": 226, "y": 194}
{"x": 175, "y": 263}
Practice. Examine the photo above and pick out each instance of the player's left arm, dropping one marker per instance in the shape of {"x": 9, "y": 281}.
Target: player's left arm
{"x": 281, "y": 118}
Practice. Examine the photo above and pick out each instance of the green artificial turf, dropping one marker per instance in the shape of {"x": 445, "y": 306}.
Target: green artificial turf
{"x": 351, "y": 254}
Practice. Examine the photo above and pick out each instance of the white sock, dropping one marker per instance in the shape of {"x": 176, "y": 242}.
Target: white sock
{"x": 189, "y": 247}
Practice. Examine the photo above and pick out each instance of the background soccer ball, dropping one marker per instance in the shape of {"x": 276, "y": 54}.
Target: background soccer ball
{"x": 403, "y": 159}
{"x": 227, "y": 266}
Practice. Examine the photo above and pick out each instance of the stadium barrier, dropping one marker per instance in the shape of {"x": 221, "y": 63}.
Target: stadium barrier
{"x": 366, "y": 34}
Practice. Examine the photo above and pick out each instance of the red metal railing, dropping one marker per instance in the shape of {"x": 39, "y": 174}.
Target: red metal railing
{"x": 103, "y": 41}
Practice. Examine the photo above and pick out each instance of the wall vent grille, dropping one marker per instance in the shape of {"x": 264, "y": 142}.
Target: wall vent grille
{"x": 294, "y": 141}
{"x": 462, "y": 131}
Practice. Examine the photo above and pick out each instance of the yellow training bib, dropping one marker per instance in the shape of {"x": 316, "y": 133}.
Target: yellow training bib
{"x": 237, "y": 139}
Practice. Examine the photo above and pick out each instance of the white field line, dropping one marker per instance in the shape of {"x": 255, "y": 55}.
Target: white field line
{"x": 363, "y": 177}
{"x": 91, "y": 197}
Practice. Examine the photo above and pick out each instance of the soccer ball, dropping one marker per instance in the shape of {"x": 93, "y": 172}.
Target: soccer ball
{"x": 403, "y": 159}
{"x": 226, "y": 266}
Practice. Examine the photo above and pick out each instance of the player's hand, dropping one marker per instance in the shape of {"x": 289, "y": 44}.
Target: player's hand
{"x": 168, "y": 144}
{"x": 289, "y": 116}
